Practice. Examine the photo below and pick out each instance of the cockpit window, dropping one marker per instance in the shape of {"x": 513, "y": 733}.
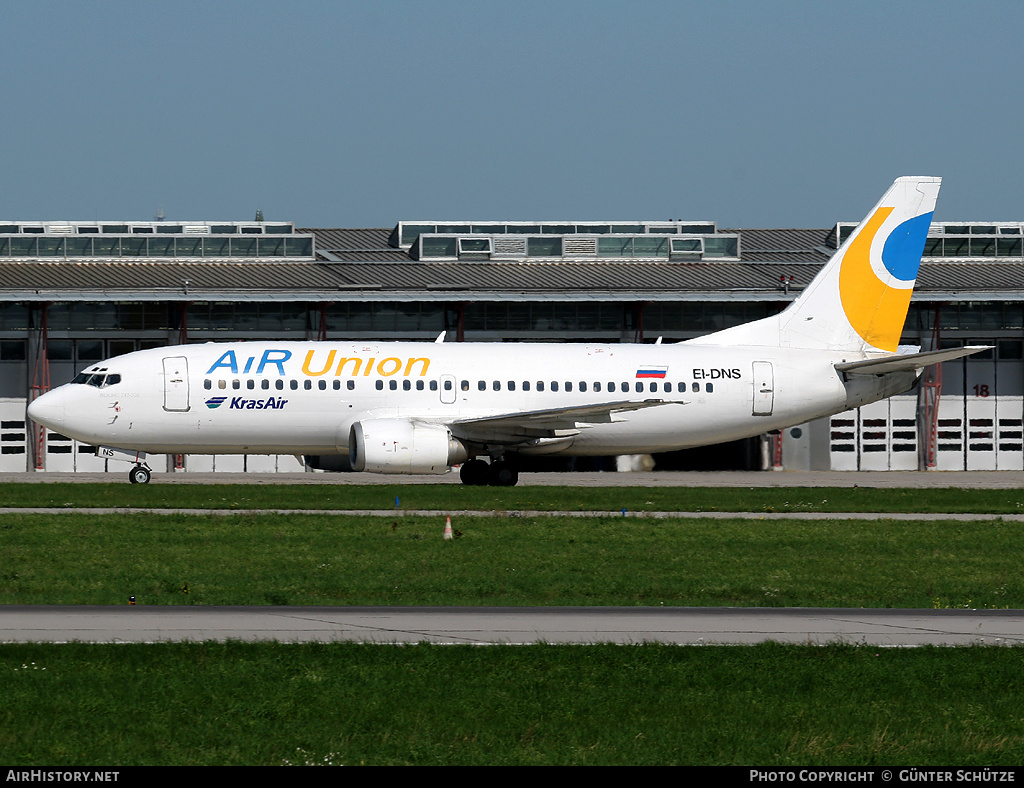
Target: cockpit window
{"x": 97, "y": 379}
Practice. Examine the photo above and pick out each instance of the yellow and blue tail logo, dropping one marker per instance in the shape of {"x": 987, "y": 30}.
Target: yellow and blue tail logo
{"x": 878, "y": 271}
{"x": 858, "y": 302}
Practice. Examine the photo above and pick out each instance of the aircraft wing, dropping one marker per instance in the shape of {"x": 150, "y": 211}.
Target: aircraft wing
{"x": 515, "y": 427}
{"x": 909, "y": 361}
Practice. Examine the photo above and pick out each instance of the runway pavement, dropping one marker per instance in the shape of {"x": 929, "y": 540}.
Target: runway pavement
{"x": 512, "y": 625}
{"x": 917, "y": 479}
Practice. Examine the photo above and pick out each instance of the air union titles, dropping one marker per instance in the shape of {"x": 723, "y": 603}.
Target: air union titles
{"x": 317, "y": 363}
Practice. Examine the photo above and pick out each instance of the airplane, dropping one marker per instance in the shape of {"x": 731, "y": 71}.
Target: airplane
{"x": 422, "y": 407}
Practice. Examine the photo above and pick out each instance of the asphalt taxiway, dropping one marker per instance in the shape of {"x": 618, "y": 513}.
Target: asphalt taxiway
{"x": 888, "y": 479}
{"x": 512, "y": 625}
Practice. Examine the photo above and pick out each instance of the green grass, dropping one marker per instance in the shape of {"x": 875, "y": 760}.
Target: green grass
{"x": 455, "y": 497}
{"x": 344, "y": 559}
{"x": 349, "y": 704}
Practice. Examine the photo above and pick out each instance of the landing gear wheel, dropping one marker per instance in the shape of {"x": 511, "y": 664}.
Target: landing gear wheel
{"x": 139, "y": 475}
{"x": 503, "y": 475}
{"x": 474, "y": 473}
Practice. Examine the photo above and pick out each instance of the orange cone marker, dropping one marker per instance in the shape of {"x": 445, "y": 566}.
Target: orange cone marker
{"x": 447, "y": 529}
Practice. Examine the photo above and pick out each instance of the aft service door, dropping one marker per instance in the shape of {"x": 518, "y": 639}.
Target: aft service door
{"x": 176, "y": 383}
{"x": 764, "y": 388}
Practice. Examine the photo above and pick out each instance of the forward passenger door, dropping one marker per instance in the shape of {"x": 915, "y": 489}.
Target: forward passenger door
{"x": 176, "y": 395}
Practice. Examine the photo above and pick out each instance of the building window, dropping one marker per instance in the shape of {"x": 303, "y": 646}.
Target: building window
{"x": 545, "y": 246}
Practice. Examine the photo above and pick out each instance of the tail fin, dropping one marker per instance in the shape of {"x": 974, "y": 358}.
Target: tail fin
{"x": 859, "y": 300}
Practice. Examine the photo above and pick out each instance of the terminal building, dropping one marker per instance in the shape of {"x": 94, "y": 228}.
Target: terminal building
{"x": 73, "y": 293}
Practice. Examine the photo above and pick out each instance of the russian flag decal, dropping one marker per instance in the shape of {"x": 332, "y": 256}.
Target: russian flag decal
{"x": 651, "y": 372}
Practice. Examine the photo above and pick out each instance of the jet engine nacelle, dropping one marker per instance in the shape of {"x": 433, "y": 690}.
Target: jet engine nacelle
{"x": 403, "y": 446}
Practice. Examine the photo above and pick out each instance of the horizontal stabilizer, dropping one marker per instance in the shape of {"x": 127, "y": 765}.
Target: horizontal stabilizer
{"x": 910, "y": 361}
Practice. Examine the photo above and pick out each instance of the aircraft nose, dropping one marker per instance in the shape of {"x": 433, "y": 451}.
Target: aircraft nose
{"x": 48, "y": 409}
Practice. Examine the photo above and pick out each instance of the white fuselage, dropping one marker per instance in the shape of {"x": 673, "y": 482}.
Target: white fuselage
{"x": 303, "y": 397}
{"x": 422, "y": 408}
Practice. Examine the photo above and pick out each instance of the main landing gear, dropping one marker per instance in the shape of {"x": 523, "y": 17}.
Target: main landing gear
{"x": 139, "y": 475}
{"x": 496, "y": 474}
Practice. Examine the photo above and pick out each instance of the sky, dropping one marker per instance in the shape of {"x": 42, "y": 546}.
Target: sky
{"x": 790, "y": 113}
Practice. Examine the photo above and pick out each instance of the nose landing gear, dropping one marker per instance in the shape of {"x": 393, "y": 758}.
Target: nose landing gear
{"x": 140, "y": 474}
